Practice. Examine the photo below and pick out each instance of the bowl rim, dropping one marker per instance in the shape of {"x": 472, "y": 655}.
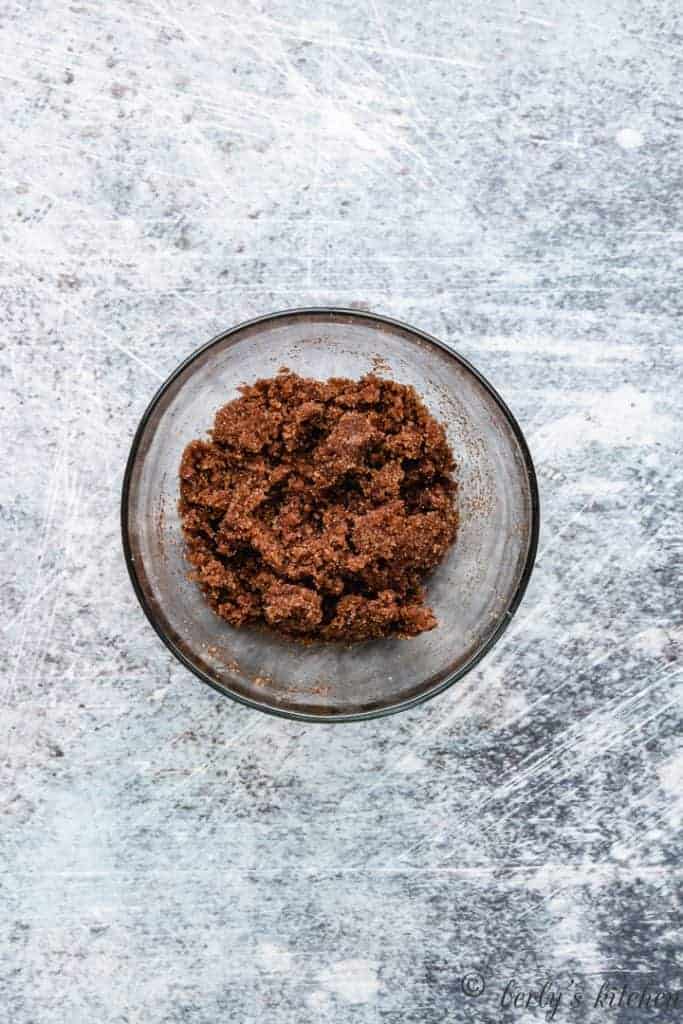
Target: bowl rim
{"x": 355, "y": 716}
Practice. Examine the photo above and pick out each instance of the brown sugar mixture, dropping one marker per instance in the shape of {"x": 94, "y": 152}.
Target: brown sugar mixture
{"x": 318, "y": 507}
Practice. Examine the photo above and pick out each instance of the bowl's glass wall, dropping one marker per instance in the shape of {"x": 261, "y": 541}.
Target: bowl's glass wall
{"x": 472, "y": 590}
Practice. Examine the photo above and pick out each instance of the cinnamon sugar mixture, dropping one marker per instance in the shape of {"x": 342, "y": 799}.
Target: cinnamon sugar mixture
{"x": 318, "y": 507}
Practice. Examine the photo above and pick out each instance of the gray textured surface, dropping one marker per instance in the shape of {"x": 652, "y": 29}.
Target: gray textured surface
{"x": 505, "y": 177}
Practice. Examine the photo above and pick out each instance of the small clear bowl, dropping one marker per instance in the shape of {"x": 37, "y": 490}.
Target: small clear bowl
{"x": 474, "y": 592}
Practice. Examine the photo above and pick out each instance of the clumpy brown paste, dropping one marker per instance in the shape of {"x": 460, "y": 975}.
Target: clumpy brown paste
{"x": 318, "y": 507}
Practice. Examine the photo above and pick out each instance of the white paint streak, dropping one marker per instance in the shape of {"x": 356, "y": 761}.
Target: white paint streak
{"x": 629, "y": 138}
{"x": 276, "y": 959}
{"x": 354, "y": 981}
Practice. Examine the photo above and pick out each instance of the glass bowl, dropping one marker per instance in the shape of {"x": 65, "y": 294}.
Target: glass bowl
{"x": 474, "y": 592}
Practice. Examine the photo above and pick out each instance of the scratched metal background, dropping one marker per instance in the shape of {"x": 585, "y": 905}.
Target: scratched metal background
{"x": 505, "y": 176}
